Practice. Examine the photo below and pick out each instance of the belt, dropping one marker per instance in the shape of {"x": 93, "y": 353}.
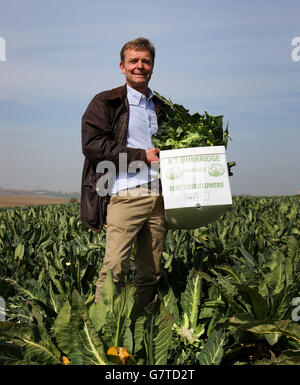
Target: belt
{"x": 148, "y": 185}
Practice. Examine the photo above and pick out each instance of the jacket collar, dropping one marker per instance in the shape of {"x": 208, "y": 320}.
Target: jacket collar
{"x": 117, "y": 93}
{"x": 121, "y": 93}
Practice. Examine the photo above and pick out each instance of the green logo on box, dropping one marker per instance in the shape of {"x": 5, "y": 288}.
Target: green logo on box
{"x": 216, "y": 169}
{"x": 174, "y": 173}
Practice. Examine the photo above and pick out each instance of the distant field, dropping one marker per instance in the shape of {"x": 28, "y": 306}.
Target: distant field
{"x": 19, "y": 200}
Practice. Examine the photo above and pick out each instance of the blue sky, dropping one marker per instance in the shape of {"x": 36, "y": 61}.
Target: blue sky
{"x": 228, "y": 57}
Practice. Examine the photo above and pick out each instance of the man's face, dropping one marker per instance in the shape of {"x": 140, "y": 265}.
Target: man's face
{"x": 137, "y": 68}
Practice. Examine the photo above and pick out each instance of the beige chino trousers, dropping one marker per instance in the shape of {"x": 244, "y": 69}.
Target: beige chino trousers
{"x": 134, "y": 215}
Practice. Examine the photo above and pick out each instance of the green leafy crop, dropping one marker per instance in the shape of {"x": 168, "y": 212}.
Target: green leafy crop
{"x": 183, "y": 130}
{"x": 228, "y": 296}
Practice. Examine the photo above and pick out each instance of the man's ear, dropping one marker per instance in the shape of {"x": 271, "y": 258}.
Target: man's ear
{"x": 122, "y": 67}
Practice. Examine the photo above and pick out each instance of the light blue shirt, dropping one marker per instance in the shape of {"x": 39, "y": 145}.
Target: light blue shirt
{"x": 142, "y": 125}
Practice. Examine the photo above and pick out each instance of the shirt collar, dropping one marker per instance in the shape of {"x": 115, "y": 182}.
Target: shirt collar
{"x": 135, "y": 97}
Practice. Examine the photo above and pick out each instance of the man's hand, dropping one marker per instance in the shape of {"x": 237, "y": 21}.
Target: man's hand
{"x": 152, "y": 155}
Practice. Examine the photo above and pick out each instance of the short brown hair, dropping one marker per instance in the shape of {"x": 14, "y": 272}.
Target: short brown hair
{"x": 139, "y": 43}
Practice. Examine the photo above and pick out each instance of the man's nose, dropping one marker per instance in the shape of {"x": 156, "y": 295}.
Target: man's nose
{"x": 140, "y": 64}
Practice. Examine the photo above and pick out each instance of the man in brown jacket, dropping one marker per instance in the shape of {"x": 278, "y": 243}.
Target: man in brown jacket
{"x": 117, "y": 175}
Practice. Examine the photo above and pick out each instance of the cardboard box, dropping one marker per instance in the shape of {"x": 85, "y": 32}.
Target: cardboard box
{"x": 195, "y": 185}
